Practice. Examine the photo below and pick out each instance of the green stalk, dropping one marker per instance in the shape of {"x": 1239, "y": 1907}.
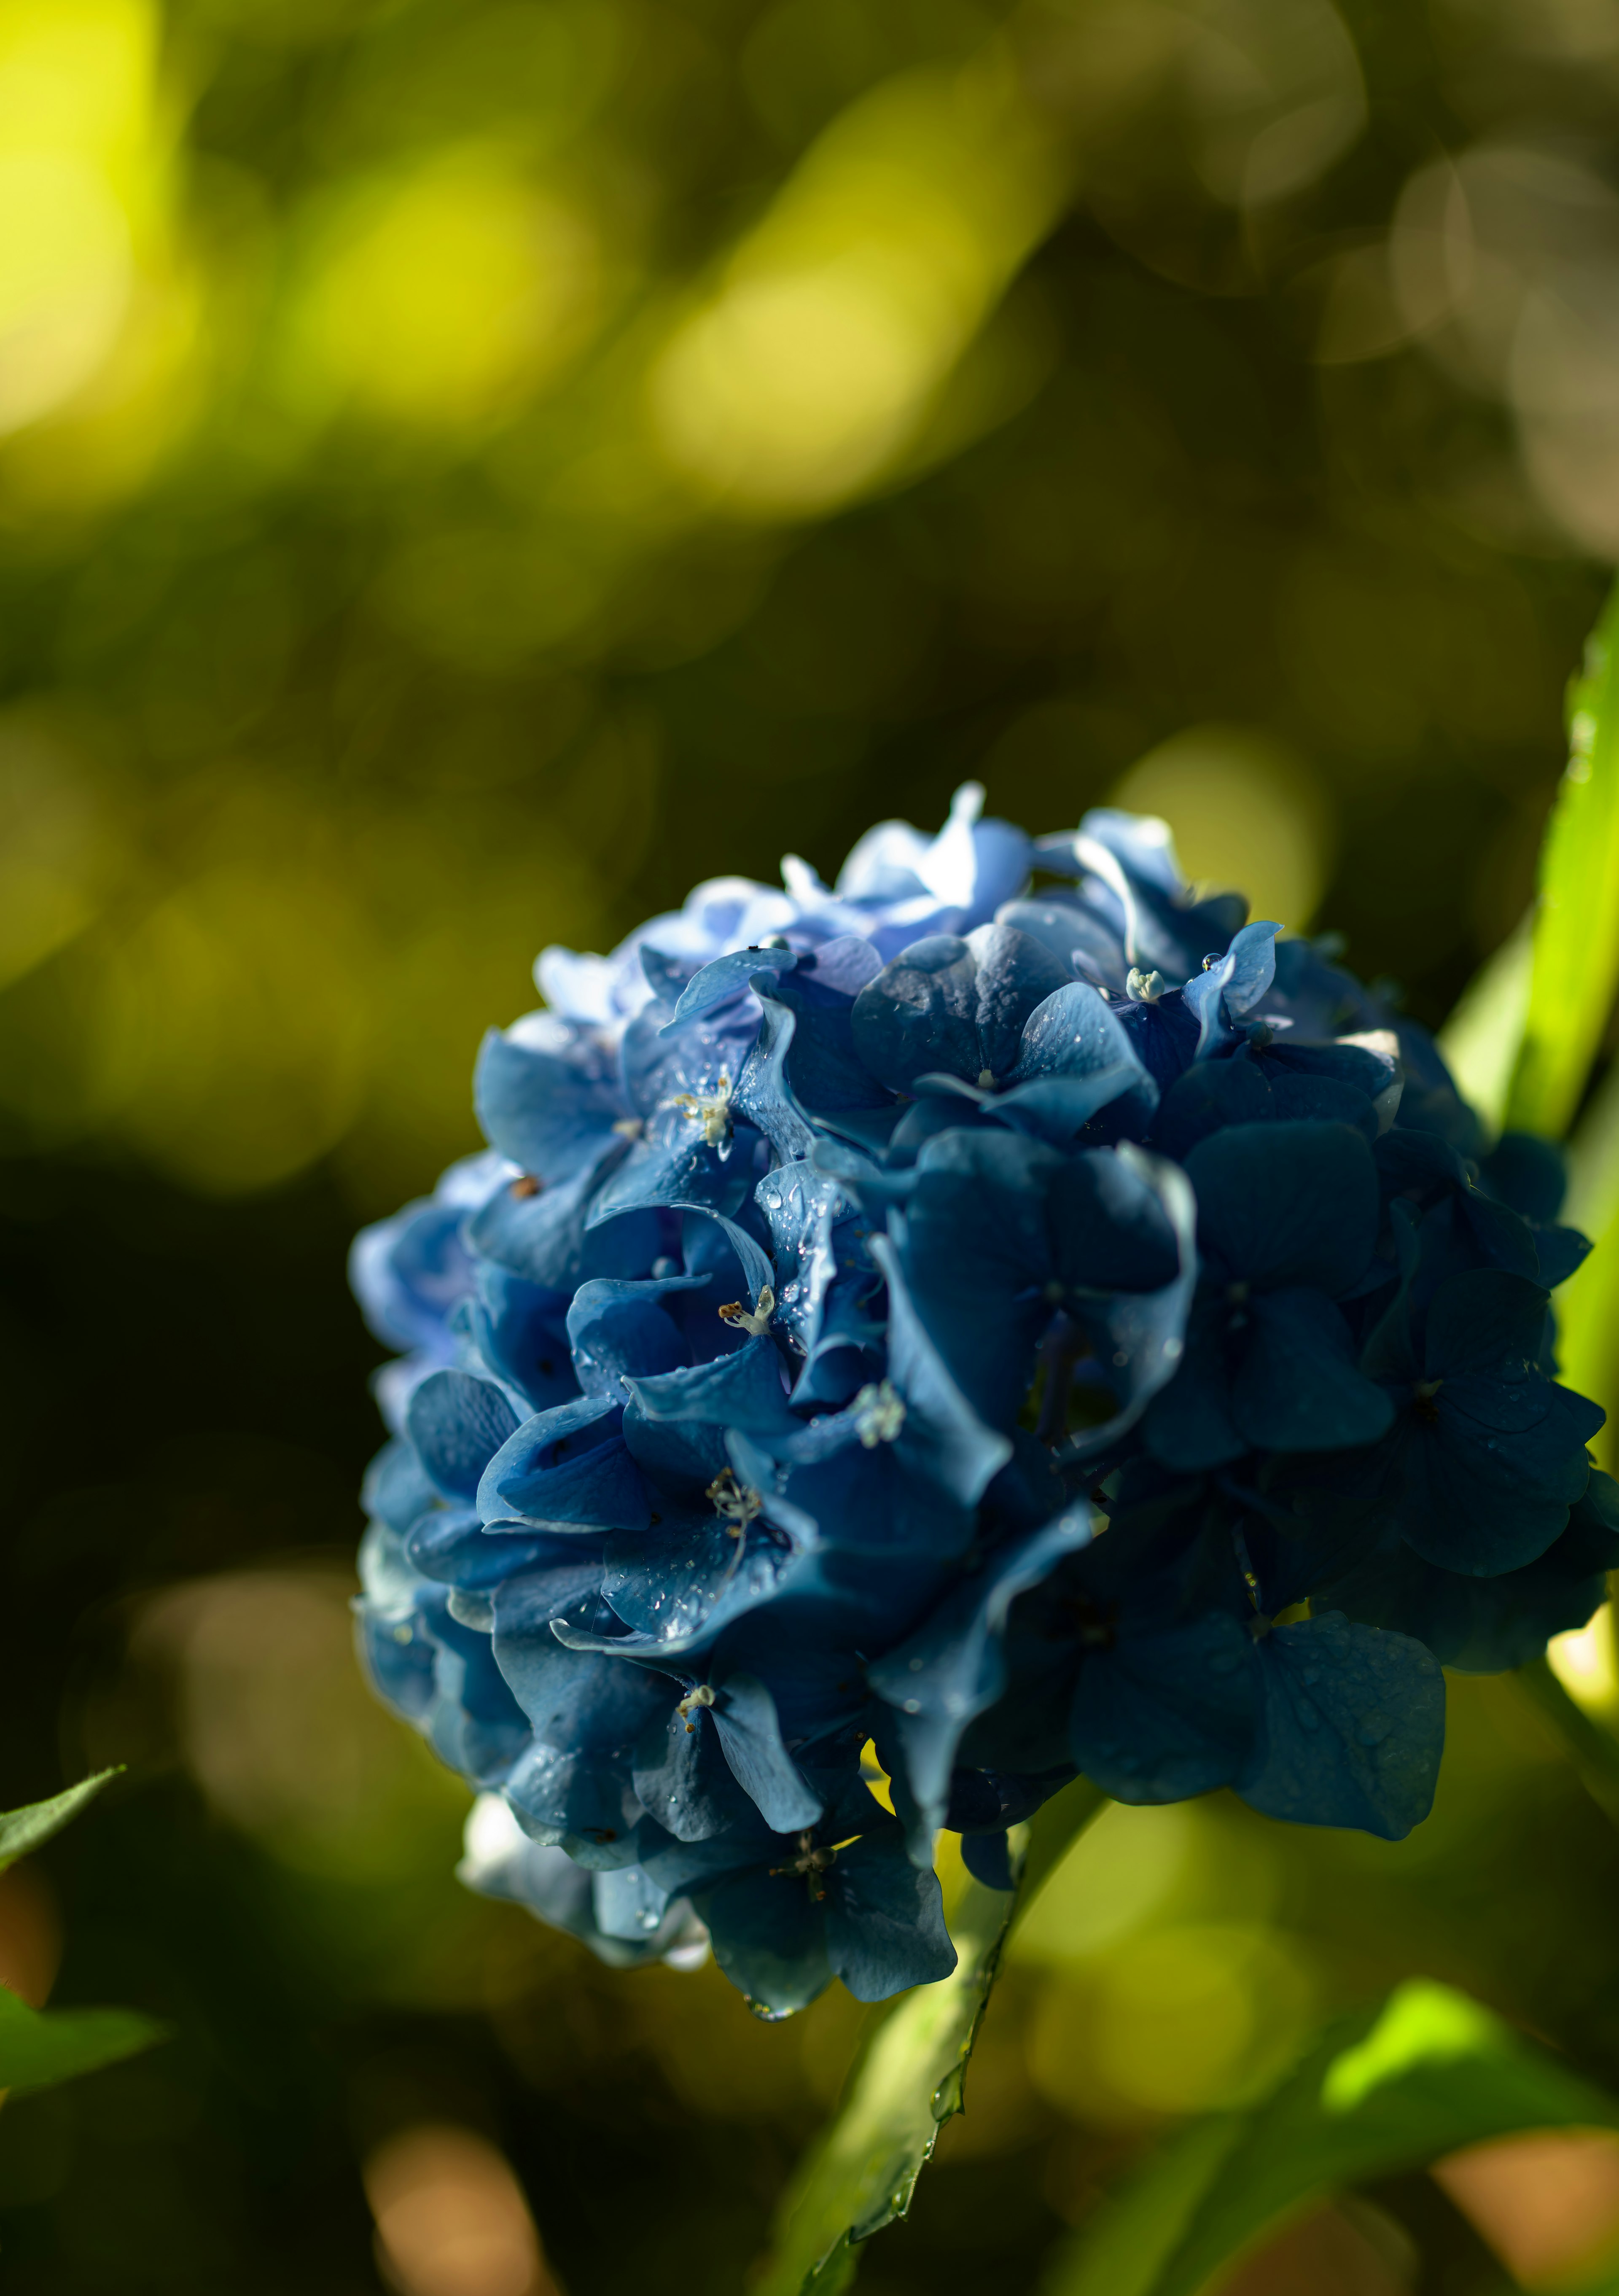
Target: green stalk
{"x": 862, "y": 2174}
{"x": 1593, "y": 1750}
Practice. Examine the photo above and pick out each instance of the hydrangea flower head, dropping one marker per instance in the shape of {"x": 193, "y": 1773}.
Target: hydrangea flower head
{"x": 999, "y": 1317}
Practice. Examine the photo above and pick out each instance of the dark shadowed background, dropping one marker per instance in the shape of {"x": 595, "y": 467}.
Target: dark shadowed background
{"x": 467, "y": 472}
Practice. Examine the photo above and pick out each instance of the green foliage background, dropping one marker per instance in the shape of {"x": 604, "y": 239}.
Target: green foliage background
{"x": 466, "y": 472}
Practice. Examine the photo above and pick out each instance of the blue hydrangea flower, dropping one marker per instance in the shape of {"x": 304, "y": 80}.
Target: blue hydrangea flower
{"x": 995, "y": 1318}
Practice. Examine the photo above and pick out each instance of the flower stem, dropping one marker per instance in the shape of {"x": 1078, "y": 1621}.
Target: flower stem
{"x": 1593, "y": 1750}
{"x": 862, "y": 2174}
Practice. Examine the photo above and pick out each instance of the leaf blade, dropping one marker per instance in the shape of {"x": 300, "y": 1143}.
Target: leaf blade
{"x": 1575, "y": 962}
{"x": 23, "y": 1830}
{"x": 1381, "y": 2092}
{"x": 39, "y": 2048}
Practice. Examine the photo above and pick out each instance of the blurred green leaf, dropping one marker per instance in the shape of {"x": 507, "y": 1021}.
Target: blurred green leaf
{"x": 1384, "y": 2091}
{"x": 1587, "y": 1304}
{"x": 1576, "y": 925}
{"x": 38, "y": 2048}
{"x": 1481, "y": 1039}
{"x": 23, "y": 1830}
{"x": 861, "y": 2175}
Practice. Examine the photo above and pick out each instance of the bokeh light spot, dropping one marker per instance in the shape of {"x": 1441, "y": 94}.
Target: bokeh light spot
{"x": 837, "y": 317}
{"x": 451, "y": 2218}
{"x": 1245, "y": 810}
{"x": 440, "y": 296}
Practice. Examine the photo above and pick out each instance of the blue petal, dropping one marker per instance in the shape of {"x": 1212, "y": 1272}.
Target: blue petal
{"x": 1353, "y": 1728}
{"x": 398, "y": 1489}
{"x": 682, "y": 1776}
{"x": 769, "y": 1938}
{"x": 457, "y": 1424}
{"x": 884, "y": 1920}
{"x": 1163, "y": 1715}
{"x": 550, "y": 1110}
{"x": 545, "y": 1238}
{"x": 1287, "y": 1203}
{"x": 984, "y": 1856}
{"x": 955, "y": 1668}
{"x": 1074, "y": 1033}
{"x": 1296, "y": 1387}
{"x": 451, "y": 1547}
{"x": 521, "y": 1331}
{"x": 570, "y": 1465}
{"x": 1222, "y": 992}
{"x": 742, "y": 1389}
{"x": 616, "y": 1328}
{"x": 724, "y": 977}
{"x": 745, "y": 1715}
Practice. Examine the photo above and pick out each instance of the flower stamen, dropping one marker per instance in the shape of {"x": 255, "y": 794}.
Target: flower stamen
{"x": 711, "y": 1110}
{"x": 755, "y": 1321}
{"x": 736, "y": 1503}
{"x": 812, "y": 1863}
{"x": 877, "y": 1415}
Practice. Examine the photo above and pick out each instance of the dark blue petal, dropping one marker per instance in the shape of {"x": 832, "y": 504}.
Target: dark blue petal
{"x": 743, "y": 1390}
{"x": 953, "y": 1004}
{"x": 1480, "y": 1502}
{"x": 954, "y": 1668}
{"x": 1162, "y": 1715}
{"x": 450, "y": 1546}
{"x": 457, "y": 1424}
{"x": 745, "y": 1715}
{"x": 884, "y": 1920}
{"x": 1189, "y": 1425}
{"x": 769, "y": 1938}
{"x": 1484, "y": 1626}
{"x": 1353, "y": 1728}
{"x": 521, "y": 1331}
{"x": 1287, "y": 1203}
{"x": 985, "y": 1858}
{"x": 682, "y": 1776}
{"x": 1296, "y": 1387}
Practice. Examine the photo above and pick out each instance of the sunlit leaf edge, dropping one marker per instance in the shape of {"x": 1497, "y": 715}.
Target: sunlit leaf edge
{"x": 1382, "y": 2091}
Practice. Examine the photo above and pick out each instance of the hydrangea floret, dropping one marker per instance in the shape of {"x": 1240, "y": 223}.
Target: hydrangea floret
{"x": 1000, "y": 1317}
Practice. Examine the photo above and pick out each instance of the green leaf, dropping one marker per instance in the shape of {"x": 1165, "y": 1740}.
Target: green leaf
{"x": 861, "y": 2175}
{"x": 1481, "y": 1039}
{"x": 23, "y": 1830}
{"x": 1587, "y": 1304}
{"x": 39, "y": 2047}
{"x": 1576, "y": 963}
{"x": 1384, "y": 2091}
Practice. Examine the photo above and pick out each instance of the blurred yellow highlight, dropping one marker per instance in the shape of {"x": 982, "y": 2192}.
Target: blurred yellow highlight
{"x": 811, "y": 367}
{"x": 1584, "y": 1663}
{"x": 1246, "y": 812}
{"x": 440, "y": 296}
{"x": 1123, "y": 1871}
{"x": 75, "y": 116}
{"x": 1180, "y": 2021}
